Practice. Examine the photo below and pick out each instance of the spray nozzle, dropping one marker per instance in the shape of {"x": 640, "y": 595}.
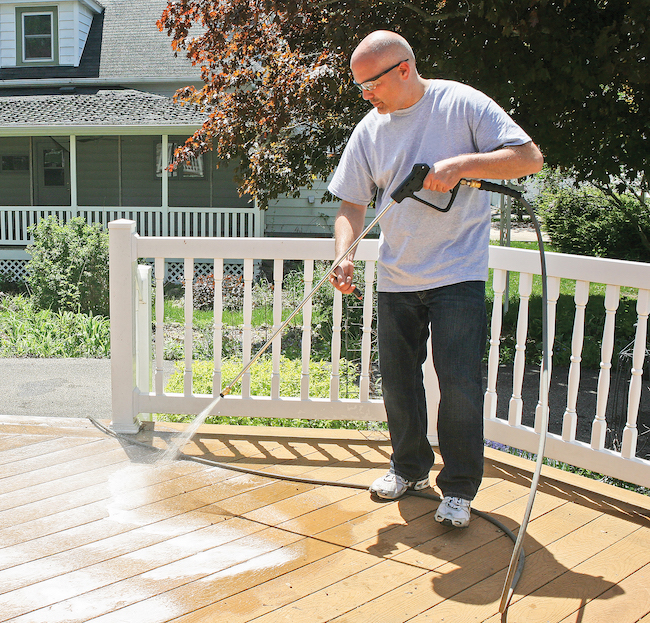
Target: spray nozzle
{"x": 413, "y": 183}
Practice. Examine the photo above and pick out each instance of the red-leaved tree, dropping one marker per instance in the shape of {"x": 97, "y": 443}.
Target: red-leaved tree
{"x": 280, "y": 102}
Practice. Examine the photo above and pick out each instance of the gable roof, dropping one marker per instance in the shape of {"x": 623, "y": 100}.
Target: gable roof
{"x": 124, "y": 46}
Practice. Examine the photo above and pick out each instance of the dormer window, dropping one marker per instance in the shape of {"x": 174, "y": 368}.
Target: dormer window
{"x": 37, "y": 41}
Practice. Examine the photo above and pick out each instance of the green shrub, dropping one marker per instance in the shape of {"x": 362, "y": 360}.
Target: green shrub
{"x": 626, "y": 318}
{"x": 586, "y": 221}
{"x": 68, "y": 269}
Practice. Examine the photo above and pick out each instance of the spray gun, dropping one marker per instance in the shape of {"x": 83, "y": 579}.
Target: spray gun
{"x": 414, "y": 182}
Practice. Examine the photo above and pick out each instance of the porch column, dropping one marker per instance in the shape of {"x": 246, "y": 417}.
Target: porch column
{"x": 165, "y": 183}
{"x": 73, "y": 175}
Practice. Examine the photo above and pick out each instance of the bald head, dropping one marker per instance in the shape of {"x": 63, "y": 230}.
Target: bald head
{"x": 382, "y": 45}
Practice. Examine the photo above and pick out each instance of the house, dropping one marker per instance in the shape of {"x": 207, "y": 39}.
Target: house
{"x": 88, "y": 125}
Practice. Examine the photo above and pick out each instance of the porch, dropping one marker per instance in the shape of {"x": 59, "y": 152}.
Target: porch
{"x": 92, "y": 530}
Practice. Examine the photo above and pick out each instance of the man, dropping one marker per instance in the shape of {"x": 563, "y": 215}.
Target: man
{"x": 432, "y": 266}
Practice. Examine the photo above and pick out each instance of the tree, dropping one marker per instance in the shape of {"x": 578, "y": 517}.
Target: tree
{"x": 280, "y": 100}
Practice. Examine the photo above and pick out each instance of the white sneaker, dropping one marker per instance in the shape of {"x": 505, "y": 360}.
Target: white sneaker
{"x": 391, "y": 486}
{"x": 453, "y": 512}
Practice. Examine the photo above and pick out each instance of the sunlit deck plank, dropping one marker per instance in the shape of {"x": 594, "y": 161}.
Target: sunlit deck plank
{"x": 113, "y": 538}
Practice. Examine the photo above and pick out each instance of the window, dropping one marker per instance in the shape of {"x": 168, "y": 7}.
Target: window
{"x": 14, "y": 163}
{"x": 53, "y": 167}
{"x": 189, "y": 170}
{"x": 37, "y": 40}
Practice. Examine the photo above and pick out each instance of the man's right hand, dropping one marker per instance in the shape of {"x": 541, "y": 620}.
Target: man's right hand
{"x": 341, "y": 277}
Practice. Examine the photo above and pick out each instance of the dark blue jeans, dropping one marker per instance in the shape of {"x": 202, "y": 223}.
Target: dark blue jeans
{"x": 456, "y": 317}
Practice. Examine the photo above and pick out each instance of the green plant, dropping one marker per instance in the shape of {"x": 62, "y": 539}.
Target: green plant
{"x": 9, "y": 286}
{"x": 68, "y": 269}
{"x": 626, "y": 318}
{"x": 27, "y": 331}
{"x": 291, "y": 370}
{"x": 260, "y": 373}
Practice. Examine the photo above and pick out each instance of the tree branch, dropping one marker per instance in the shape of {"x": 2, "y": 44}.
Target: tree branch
{"x": 427, "y": 17}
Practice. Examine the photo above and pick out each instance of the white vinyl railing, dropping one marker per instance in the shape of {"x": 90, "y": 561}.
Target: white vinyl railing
{"x": 137, "y": 372}
{"x": 150, "y": 221}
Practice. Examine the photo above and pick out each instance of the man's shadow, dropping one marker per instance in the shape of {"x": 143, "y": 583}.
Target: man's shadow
{"x": 469, "y": 566}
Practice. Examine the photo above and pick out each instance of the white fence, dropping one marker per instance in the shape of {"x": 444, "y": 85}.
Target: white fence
{"x": 137, "y": 389}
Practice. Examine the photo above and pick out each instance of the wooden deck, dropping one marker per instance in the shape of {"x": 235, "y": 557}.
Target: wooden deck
{"x": 92, "y": 530}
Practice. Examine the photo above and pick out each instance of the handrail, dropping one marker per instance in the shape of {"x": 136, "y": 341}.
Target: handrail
{"x": 562, "y": 446}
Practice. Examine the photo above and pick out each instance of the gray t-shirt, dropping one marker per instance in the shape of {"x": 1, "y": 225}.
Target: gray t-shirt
{"x": 419, "y": 247}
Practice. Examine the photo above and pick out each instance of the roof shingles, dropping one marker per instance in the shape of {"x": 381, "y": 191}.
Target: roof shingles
{"x": 105, "y": 108}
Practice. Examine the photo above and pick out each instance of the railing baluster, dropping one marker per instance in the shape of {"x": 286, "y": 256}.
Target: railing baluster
{"x": 498, "y": 285}
{"x": 159, "y": 266}
{"x": 247, "y": 337}
{"x": 278, "y": 272}
{"x": 599, "y": 426}
{"x": 630, "y": 432}
{"x": 553, "y": 292}
{"x": 306, "y": 331}
{"x": 366, "y": 339}
{"x": 189, "y": 319}
{"x": 516, "y": 406}
{"x": 337, "y": 321}
{"x": 217, "y": 338}
{"x": 570, "y": 419}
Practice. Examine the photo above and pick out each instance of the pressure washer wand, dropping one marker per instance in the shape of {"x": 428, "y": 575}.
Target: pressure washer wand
{"x": 411, "y": 184}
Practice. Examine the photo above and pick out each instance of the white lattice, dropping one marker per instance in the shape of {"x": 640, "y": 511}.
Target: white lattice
{"x": 14, "y": 270}
{"x": 175, "y": 271}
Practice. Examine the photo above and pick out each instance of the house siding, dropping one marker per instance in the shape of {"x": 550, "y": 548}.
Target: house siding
{"x": 83, "y": 21}
{"x": 7, "y": 35}
{"x": 67, "y": 34}
{"x": 296, "y": 216}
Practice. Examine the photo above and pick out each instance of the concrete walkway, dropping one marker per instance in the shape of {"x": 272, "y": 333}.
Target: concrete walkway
{"x": 58, "y": 387}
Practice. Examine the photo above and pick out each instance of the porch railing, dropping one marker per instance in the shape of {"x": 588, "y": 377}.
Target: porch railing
{"x": 150, "y": 221}
{"x": 137, "y": 371}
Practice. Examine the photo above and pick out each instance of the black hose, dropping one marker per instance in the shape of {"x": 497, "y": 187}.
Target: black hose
{"x": 518, "y": 560}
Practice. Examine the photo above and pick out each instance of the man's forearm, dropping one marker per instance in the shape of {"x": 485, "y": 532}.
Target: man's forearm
{"x": 502, "y": 164}
{"x": 348, "y": 226}
{"x": 507, "y": 163}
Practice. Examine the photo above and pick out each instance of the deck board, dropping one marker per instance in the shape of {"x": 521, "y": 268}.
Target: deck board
{"x": 94, "y": 529}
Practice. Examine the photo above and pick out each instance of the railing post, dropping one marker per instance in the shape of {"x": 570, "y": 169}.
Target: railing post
{"x": 630, "y": 432}
{"x": 123, "y": 302}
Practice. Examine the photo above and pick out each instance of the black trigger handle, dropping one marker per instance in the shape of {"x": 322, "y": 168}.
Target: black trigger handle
{"x": 413, "y": 183}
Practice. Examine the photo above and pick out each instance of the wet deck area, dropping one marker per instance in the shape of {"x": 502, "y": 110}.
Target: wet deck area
{"x": 93, "y": 528}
